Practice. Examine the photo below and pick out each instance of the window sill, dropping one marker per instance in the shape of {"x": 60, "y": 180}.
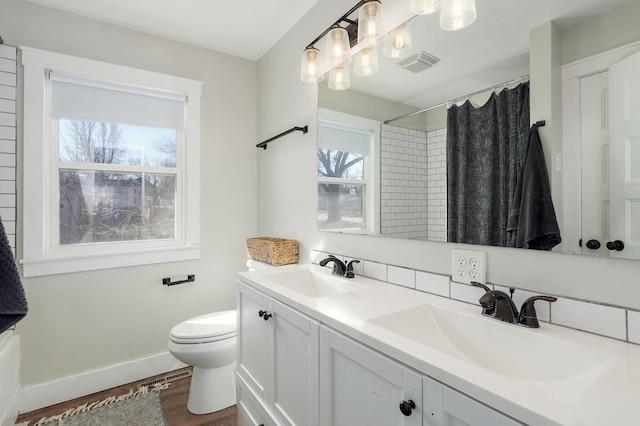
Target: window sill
{"x": 63, "y": 265}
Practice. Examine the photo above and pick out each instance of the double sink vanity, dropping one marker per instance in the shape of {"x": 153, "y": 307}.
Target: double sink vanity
{"x": 320, "y": 349}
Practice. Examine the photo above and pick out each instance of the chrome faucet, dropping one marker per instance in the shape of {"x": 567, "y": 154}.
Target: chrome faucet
{"x": 498, "y": 304}
{"x": 339, "y": 268}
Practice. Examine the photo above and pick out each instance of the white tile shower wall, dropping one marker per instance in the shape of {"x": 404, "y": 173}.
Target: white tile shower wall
{"x": 437, "y": 185}
{"x": 8, "y": 141}
{"x": 403, "y": 183}
{"x": 609, "y": 321}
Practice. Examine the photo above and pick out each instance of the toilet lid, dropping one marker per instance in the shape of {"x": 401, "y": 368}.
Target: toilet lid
{"x": 209, "y": 327}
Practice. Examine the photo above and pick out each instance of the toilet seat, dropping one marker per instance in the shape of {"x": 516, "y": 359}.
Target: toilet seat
{"x": 205, "y": 328}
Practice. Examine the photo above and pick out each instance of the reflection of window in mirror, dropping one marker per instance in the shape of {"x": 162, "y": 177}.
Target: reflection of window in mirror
{"x": 347, "y": 190}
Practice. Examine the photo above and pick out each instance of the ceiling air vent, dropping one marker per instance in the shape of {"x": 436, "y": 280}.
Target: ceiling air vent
{"x": 419, "y": 62}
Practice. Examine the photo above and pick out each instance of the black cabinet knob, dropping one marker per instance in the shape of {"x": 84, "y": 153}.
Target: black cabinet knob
{"x": 406, "y": 407}
{"x": 593, "y": 244}
{"x": 266, "y": 316}
{"x": 616, "y": 245}
{"x": 261, "y": 313}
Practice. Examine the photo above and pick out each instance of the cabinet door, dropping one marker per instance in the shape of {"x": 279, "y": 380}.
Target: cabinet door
{"x": 361, "y": 387}
{"x": 295, "y": 370}
{"x": 443, "y": 406}
{"x": 250, "y": 412}
{"x": 253, "y": 340}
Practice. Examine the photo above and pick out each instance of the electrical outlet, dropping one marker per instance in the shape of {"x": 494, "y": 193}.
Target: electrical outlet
{"x": 469, "y": 265}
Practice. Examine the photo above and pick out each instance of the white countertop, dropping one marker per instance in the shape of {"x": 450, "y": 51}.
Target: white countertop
{"x": 608, "y": 396}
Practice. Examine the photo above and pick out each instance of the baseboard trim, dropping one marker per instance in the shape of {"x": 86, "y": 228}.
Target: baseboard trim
{"x": 50, "y": 393}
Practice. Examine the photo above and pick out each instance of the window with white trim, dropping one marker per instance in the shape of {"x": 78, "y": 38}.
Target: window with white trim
{"x": 346, "y": 170}
{"x": 111, "y": 165}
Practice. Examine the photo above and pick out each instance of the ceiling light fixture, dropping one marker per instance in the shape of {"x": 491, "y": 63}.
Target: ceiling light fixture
{"x": 365, "y": 31}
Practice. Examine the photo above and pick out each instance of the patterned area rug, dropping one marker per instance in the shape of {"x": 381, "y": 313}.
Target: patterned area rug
{"x": 140, "y": 408}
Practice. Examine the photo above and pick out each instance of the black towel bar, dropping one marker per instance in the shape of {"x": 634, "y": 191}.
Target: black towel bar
{"x": 167, "y": 281}
{"x": 263, "y": 145}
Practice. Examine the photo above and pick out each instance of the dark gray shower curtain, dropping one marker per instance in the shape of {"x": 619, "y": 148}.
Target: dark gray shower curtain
{"x": 486, "y": 147}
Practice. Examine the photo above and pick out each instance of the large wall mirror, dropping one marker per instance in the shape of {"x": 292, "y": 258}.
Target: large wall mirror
{"x": 393, "y": 124}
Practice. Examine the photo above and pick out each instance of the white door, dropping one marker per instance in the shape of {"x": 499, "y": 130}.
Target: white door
{"x": 624, "y": 100}
{"x": 294, "y": 384}
{"x": 253, "y": 340}
{"x": 594, "y": 139}
{"x": 359, "y": 386}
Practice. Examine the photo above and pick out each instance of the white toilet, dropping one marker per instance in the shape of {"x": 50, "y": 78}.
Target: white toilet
{"x": 208, "y": 343}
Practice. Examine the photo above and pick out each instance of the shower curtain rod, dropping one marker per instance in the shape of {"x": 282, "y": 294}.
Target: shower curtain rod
{"x": 517, "y": 80}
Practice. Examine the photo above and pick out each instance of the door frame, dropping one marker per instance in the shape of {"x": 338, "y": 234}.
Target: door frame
{"x": 572, "y": 73}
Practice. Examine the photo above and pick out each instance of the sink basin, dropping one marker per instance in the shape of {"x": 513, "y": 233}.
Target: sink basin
{"x": 516, "y": 353}
{"x": 312, "y": 283}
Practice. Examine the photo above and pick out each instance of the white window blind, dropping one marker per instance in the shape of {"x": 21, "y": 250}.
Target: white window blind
{"x": 88, "y": 100}
{"x": 343, "y": 138}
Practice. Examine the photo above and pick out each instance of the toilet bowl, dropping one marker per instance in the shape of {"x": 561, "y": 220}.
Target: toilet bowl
{"x": 208, "y": 343}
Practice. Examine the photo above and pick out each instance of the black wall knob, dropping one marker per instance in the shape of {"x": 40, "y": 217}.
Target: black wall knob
{"x": 406, "y": 407}
{"x": 616, "y": 245}
{"x": 593, "y": 244}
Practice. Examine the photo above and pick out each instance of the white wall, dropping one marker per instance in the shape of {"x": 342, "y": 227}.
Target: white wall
{"x": 86, "y": 321}
{"x": 287, "y": 195}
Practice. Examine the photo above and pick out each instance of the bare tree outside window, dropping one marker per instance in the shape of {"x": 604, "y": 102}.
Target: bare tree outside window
{"x": 115, "y": 205}
{"x": 340, "y": 205}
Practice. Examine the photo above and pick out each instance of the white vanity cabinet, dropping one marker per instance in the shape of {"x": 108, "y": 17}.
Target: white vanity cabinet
{"x": 443, "y": 406}
{"x": 277, "y": 362}
{"x": 359, "y": 386}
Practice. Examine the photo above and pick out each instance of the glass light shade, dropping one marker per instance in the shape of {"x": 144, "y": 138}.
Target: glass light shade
{"x": 310, "y": 66}
{"x": 370, "y": 23}
{"x": 457, "y": 14}
{"x": 424, "y": 7}
{"x": 366, "y": 61}
{"x": 339, "y": 78}
{"x": 398, "y": 42}
{"x": 338, "y": 48}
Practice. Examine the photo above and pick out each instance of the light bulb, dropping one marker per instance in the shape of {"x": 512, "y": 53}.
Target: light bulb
{"x": 370, "y": 23}
{"x": 339, "y": 78}
{"x": 424, "y": 7}
{"x": 366, "y": 62}
{"x": 457, "y": 14}
{"x": 398, "y": 42}
{"x": 338, "y": 49}
{"x": 310, "y": 66}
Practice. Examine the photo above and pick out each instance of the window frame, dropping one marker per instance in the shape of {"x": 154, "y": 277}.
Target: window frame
{"x": 40, "y": 256}
{"x": 371, "y": 206}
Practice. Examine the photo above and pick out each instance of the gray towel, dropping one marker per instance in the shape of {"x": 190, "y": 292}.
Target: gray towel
{"x": 13, "y": 302}
{"x": 532, "y": 223}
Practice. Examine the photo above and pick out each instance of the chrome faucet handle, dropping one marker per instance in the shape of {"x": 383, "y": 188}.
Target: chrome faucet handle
{"x": 349, "y": 272}
{"x": 528, "y": 316}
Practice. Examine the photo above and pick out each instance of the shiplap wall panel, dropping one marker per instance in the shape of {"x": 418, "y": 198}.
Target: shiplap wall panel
{"x": 8, "y": 140}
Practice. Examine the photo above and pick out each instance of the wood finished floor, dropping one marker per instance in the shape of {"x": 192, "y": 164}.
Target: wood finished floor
{"x": 174, "y": 403}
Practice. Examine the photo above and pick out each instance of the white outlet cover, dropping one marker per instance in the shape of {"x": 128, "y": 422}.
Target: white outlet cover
{"x": 468, "y": 265}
